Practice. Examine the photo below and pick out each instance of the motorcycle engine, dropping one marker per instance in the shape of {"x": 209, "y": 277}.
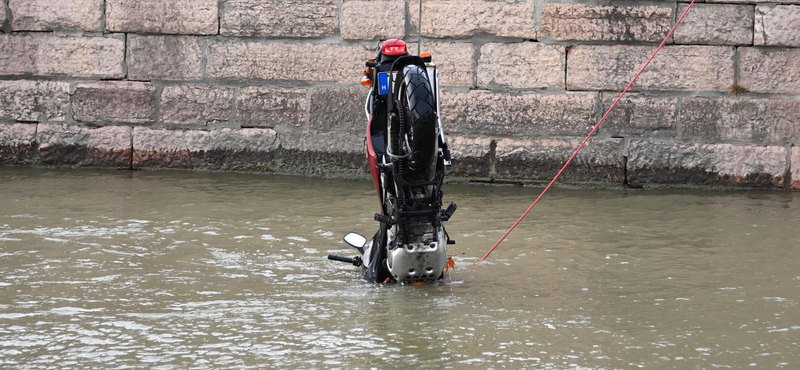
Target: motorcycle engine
{"x": 421, "y": 258}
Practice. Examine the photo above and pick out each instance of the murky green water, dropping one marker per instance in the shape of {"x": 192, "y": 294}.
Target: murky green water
{"x": 184, "y": 270}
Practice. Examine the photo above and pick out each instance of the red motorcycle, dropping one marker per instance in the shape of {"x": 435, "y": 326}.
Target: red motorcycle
{"x": 407, "y": 154}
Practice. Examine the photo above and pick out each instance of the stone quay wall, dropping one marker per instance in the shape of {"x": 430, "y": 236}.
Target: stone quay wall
{"x": 272, "y": 86}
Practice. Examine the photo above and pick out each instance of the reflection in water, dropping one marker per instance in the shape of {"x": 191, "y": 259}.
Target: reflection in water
{"x": 175, "y": 269}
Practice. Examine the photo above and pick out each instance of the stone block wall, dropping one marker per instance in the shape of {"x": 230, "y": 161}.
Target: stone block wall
{"x": 272, "y": 85}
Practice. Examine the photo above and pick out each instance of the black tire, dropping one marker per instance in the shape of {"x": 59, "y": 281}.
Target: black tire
{"x": 421, "y": 113}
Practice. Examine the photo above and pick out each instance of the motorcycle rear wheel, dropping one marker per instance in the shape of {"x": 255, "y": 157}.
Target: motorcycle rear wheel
{"x": 420, "y": 112}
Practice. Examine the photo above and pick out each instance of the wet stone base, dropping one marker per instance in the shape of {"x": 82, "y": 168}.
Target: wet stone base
{"x": 16, "y": 154}
{"x": 83, "y": 156}
{"x": 700, "y": 177}
{"x": 333, "y": 154}
{"x": 795, "y": 169}
{"x": 472, "y": 157}
{"x": 228, "y": 160}
{"x": 17, "y": 143}
{"x": 539, "y": 160}
{"x": 651, "y": 162}
{"x": 307, "y": 163}
{"x": 320, "y": 164}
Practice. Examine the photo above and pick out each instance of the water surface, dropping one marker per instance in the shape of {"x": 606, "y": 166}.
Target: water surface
{"x": 102, "y": 269}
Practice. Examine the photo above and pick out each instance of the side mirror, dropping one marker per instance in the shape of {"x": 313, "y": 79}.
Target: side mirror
{"x": 356, "y": 241}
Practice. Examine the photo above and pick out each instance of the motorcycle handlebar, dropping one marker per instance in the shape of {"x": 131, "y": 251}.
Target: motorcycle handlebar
{"x": 356, "y": 261}
{"x": 339, "y": 258}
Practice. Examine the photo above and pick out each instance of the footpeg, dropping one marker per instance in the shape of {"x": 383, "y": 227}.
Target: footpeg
{"x": 446, "y": 157}
{"x": 446, "y": 214}
{"x": 383, "y": 219}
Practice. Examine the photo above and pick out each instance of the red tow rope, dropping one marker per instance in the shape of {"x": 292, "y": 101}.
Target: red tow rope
{"x": 590, "y": 134}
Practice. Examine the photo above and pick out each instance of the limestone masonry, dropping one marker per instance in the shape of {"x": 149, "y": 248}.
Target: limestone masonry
{"x": 272, "y": 86}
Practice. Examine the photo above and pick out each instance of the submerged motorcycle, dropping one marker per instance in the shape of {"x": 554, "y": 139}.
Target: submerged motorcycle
{"x": 407, "y": 155}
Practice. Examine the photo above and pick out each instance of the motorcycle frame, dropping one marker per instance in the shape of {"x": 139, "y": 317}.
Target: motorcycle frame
{"x": 411, "y": 242}
{"x": 374, "y": 153}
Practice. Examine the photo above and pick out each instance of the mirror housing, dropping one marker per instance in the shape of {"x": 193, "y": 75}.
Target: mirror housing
{"x": 356, "y": 241}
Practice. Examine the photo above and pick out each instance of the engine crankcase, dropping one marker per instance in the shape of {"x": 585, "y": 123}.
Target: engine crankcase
{"x": 423, "y": 258}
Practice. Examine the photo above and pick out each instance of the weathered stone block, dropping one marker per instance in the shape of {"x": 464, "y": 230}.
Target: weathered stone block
{"x": 164, "y": 58}
{"x": 639, "y": 115}
{"x": 472, "y": 157}
{"x": 236, "y": 60}
{"x": 196, "y": 105}
{"x": 464, "y": 18}
{"x": 777, "y": 25}
{"x": 270, "y": 107}
{"x": 191, "y": 17}
{"x": 114, "y": 101}
{"x": 539, "y": 115}
{"x": 16, "y": 143}
{"x": 338, "y": 109}
{"x": 755, "y": 1}
{"x": 611, "y": 67}
{"x": 795, "y": 168}
{"x": 540, "y": 159}
{"x": 528, "y": 65}
{"x": 320, "y": 154}
{"x": 278, "y": 18}
{"x": 298, "y": 139}
{"x": 566, "y": 22}
{"x": 706, "y": 164}
{"x": 756, "y": 120}
{"x": 45, "y": 54}
{"x": 770, "y": 70}
{"x": 233, "y": 140}
{"x": 223, "y": 149}
{"x": 373, "y": 19}
{"x": 248, "y": 149}
{"x": 27, "y": 100}
{"x": 72, "y": 145}
{"x": 48, "y": 15}
{"x": 160, "y": 148}
{"x": 453, "y": 59}
{"x": 715, "y": 24}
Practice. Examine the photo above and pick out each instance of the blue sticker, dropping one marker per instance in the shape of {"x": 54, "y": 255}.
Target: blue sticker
{"x": 383, "y": 83}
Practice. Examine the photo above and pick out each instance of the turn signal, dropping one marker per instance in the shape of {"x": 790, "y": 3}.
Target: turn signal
{"x": 450, "y": 264}
{"x": 426, "y": 56}
{"x": 365, "y": 80}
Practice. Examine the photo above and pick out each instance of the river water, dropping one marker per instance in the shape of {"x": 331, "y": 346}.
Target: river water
{"x": 107, "y": 269}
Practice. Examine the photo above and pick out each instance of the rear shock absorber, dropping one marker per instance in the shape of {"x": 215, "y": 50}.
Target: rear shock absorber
{"x": 401, "y": 116}
{"x": 401, "y": 134}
